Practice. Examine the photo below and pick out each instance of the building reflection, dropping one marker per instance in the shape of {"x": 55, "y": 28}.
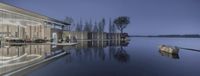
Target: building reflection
{"x": 15, "y": 57}
{"x": 99, "y": 51}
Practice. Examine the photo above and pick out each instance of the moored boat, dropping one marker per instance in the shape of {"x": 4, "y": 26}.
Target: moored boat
{"x": 169, "y": 49}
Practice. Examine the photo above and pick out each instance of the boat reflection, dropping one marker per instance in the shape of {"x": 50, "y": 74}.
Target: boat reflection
{"x": 15, "y": 57}
{"x": 173, "y": 56}
{"x": 97, "y": 51}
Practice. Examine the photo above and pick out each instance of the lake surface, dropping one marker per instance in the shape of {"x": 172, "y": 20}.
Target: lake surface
{"x": 141, "y": 57}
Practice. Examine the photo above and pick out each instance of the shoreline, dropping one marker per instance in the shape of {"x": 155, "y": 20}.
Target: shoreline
{"x": 161, "y": 37}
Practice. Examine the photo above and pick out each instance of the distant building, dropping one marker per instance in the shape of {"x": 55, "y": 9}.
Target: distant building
{"x": 22, "y": 24}
{"x": 91, "y": 35}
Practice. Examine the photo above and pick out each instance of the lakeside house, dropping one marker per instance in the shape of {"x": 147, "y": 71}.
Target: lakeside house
{"x": 20, "y": 24}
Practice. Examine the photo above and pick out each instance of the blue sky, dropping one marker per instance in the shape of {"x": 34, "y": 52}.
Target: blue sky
{"x": 148, "y": 17}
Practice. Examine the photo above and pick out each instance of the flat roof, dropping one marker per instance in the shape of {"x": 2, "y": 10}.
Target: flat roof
{"x": 29, "y": 13}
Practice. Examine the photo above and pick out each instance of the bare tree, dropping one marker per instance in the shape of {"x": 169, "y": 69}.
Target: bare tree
{"x": 79, "y": 26}
{"x": 85, "y": 26}
{"x": 70, "y": 21}
{"x": 101, "y": 25}
{"x": 88, "y": 26}
{"x": 95, "y": 29}
{"x": 121, "y": 22}
{"x": 112, "y": 28}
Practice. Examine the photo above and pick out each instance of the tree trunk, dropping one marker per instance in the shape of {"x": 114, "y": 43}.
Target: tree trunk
{"x": 121, "y": 30}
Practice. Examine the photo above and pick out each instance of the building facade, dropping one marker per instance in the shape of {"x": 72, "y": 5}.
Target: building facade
{"x": 17, "y": 23}
{"x": 104, "y": 36}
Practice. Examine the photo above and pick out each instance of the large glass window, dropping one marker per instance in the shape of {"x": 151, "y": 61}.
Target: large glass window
{"x": 23, "y": 27}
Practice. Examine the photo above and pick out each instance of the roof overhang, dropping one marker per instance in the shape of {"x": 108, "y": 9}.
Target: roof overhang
{"x": 30, "y": 13}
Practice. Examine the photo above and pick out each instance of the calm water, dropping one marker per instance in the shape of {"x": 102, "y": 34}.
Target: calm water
{"x": 140, "y": 57}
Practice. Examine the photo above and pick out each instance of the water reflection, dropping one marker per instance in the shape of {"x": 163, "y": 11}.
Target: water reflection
{"x": 121, "y": 55}
{"x": 173, "y": 56}
{"x": 15, "y": 57}
{"x": 99, "y": 51}
{"x": 142, "y": 59}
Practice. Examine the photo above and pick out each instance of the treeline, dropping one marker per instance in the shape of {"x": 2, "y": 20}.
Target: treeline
{"x": 98, "y": 26}
{"x": 183, "y": 36}
{"x": 89, "y": 26}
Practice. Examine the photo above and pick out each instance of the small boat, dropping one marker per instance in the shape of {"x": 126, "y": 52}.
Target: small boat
{"x": 169, "y": 49}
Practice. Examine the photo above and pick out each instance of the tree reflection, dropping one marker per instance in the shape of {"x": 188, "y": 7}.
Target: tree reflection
{"x": 98, "y": 51}
{"x": 101, "y": 54}
{"x": 121, "y": 55}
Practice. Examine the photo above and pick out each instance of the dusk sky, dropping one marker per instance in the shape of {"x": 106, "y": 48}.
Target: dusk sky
{"x": 148, "y": 17}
